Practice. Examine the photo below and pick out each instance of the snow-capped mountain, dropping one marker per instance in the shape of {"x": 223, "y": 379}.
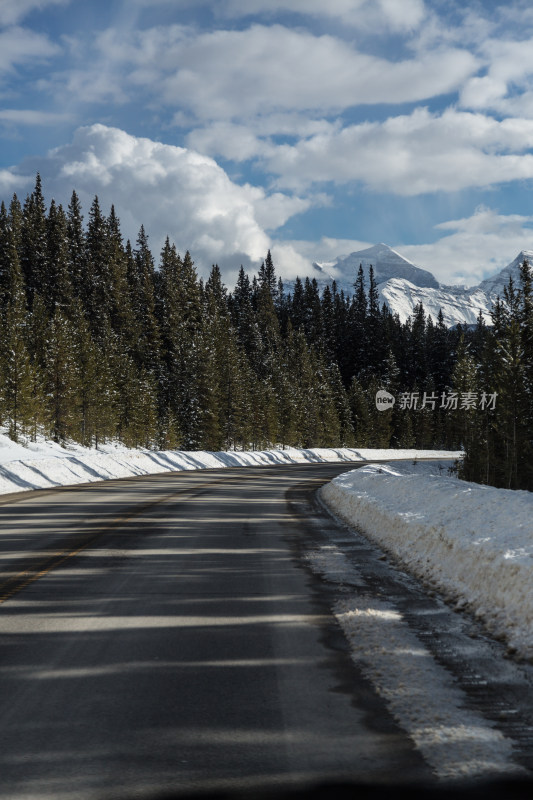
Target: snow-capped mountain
{"x": 402, "y": 285}
{"x": 387, "y": 263}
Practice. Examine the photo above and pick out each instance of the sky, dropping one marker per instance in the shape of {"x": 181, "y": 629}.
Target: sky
{"x": 310, "y": 128}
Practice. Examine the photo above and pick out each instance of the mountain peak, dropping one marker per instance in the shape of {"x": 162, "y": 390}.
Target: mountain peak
{"x": 386, "y": 263}
{"x": 495, "y": 284}
{"x": 382, "y": 249}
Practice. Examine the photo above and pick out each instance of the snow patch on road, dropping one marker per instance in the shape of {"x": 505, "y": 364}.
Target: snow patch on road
{"x": 457, "y": 743}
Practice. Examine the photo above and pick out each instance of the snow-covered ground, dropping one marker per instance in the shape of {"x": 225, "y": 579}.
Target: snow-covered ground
{"x": 43, "y": 464}
{"x": 473, "y": 543}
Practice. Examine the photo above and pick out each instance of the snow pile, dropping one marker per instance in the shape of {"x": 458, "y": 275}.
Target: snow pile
{"x": 44, "y": 464}
{"x": 472, "y": 542}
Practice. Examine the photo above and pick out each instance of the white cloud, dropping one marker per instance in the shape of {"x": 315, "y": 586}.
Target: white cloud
{"x": 507, "y": 86}
{"x": 18, "y": 46}
{"x": 475, "y": 247}
{"x": 327, "y": 249}
{"x": 410, "y": 154}
{"x": 358, "y": 13}
{"x": 171, "y": 190}
{"x": 272, "y": 211}
{"x": 20, "y": 116}
{"x": 237, "y": 74}
{"x": 471, "y": 249}
{"x": 391, "y": 14}
{"x": 12, "y": 11}
{"x": 242, "y": 142}
{"x": 178, "y": 192}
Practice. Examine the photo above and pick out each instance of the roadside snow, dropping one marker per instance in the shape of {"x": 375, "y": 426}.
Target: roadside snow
{"x": 456, "y": 741}
{"x": 45, "y": 464}
{"x": 473, "y": 543}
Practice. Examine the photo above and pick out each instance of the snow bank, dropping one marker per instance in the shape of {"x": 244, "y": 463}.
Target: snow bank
{"x": 472, "y": 542}
{"x": 45, "y": 464}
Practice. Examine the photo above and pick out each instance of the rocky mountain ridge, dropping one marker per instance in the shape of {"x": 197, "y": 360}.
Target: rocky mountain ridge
{"x": 402, "y": 285}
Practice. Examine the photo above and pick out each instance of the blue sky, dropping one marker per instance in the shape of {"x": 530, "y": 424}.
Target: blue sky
{"x": 312, "y": 128}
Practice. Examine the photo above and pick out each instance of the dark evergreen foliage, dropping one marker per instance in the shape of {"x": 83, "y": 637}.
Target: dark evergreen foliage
{"x": 98, "y": 343}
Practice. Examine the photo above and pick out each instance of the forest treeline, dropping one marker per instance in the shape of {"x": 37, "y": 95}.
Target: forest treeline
{"x": 99, "y": 341}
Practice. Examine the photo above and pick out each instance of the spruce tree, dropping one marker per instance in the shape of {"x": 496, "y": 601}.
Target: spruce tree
{"x": 61, "y": 379}
{"x": 357, "y": 335}
{"x": 56, "y": 290}
{"x": 77, "y": 251}
{"x": 33, "y": 255}
{"x": 19, "y": 396}
{"x": 97, "y": 300}
{"x": 360, "y": 414}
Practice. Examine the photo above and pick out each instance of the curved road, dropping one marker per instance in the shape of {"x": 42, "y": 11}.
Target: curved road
{"x": 166, "y": 636}
{"x": 159, "y": 634}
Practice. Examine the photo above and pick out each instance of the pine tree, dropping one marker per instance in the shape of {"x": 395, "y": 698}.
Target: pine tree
{"x": 61, "y": 379}
{"x": 439, "y": 354}
{"x": 120, "y": 309}
{"x": 313, "y": 322}
{"x": 267, "y": 277}
{"x": 357, "y": 336}
{"x": 329, "y": 324}
{"x": 96, "y": 395}
{"x": 6, "y": 255}
{"x": 56, "y": 289}
{"x": 379, "y": 423}
{"x": 416, "y": 349}
{"x": 287, "y": 404}
{"x": 306, "y": 400}
{"x": 148, "y": 344}
{"x": 245, "y": 321}
{"x": 98, "y": 301}
{"x": 77, "y": 251}
{"x": 360, "y": 414}
{"x": 33, "y": 255}
{"x": 464, "y": 380}
{"x": 20, "y": 401}
{"x": 375, "y": 332}
{"x": 345, "y": 436}
{"x": 297, "y": 306}
{"x": 526, "y": 331}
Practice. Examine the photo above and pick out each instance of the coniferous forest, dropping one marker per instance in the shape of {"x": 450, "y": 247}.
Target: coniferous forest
{"x": 100, "y": 339}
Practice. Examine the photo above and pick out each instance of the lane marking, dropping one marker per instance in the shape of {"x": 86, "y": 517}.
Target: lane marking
{"x": 13, "y": 585}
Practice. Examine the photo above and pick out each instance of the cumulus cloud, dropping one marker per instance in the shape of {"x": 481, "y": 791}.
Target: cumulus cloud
{"x": 473, "y": 248}
{"x": 171, "y": 190}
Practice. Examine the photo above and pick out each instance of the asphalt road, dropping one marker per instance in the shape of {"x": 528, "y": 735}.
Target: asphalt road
{"x": 161, "y": 634}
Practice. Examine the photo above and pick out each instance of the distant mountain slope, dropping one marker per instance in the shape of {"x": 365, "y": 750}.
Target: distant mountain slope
{"x": 494, "y": 285}
{"x": 459, "y": 306}
{"x": 402, "y": 285}
{"x": 387, "y": 264}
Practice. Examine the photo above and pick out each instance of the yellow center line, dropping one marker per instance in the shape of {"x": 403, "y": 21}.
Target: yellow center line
{"x": 33, "y": 573}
